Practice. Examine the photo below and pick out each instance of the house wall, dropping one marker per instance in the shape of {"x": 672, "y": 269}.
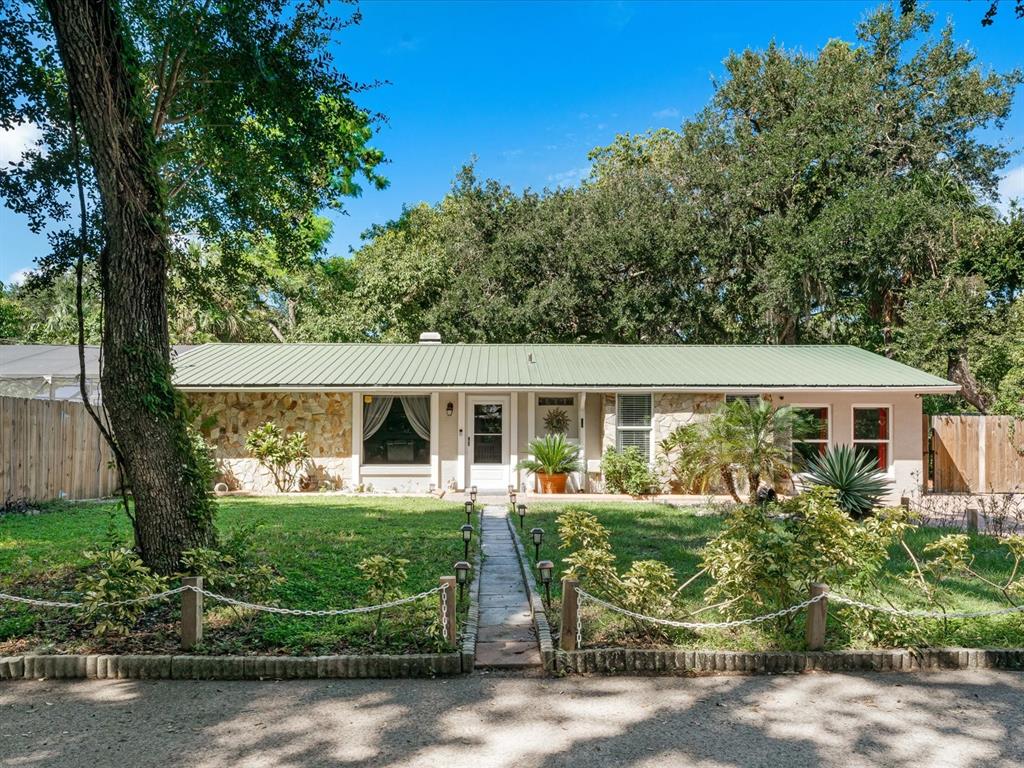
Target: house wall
{"x": 325, "y": 417}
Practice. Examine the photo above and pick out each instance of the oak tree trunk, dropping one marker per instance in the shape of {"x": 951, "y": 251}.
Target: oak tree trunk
{"x": 173, "y": 511}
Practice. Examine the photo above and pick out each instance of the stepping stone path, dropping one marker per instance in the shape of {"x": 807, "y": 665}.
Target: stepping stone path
{"x": 505, "y": 637}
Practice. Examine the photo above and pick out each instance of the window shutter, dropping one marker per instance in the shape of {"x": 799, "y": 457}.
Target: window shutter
{"x": 751, "y": 400}
{"x": 634, "y": 411}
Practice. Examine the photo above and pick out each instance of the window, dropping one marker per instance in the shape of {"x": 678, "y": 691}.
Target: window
{"x": 751, "y": 400}
{"x": 871, "y": 434}
{"x": 560, "y": 401}
{"x": 811, "y": 439}
{"x": 633, "y": 424}
{"x": 396, "y": 430}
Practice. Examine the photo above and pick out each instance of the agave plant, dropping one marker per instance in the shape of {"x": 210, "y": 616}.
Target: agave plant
{"x": 551, "y": 455}
{"x": 858, "y": 484}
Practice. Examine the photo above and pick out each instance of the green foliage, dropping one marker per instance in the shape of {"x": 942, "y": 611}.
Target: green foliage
{"x": 205, "y": 464}
{"x": 627, "y": 471}
{"x": 700, "y": 454}
{"x": 110, "y": 576}
{"x": 552, "y": 455}
{"x": 385, "y": 576}
{"x": 556, "y": 421}
{"x": 857, "y": 482}
{"x": 284, "y": 457}
{"x": 234, "y": 567}
{"x": 763, "y": 560}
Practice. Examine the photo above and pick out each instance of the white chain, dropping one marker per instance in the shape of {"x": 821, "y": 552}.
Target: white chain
{"x": 579, "y": 617}
{"x": 444, "y": 610}
{"x": 229, "y": 601}
{"x": 925, "y": 614}
{"x": 581, "y": 594}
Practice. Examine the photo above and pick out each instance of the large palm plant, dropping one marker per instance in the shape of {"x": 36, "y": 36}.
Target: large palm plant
{"x": 701, "y": 455}
{"x": 760, "y": 438}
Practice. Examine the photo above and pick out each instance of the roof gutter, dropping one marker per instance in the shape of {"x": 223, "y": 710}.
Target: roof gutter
{"x": 944, "y": 389}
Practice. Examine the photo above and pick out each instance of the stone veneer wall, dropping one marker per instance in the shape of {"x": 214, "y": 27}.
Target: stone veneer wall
{"x": 325, "y": 417}
{"x": 670, "y": 410}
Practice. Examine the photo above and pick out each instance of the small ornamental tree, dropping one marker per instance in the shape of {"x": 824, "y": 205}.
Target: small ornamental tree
{"x": 284, "y": 457}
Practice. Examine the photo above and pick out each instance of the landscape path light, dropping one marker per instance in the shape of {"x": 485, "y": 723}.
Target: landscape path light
{"x": 546, "y": 567}
{"x": 470, "y": 508}
{"x": 467, "y": 536}
{"x": 537, "y": 534}
{"x": 522, "y": 515}
{"x": 472, "y": 494}
{"x": 462, "y": 575}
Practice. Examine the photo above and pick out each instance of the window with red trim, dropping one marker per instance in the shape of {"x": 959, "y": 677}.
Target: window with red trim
{"x": 871, "y": 434}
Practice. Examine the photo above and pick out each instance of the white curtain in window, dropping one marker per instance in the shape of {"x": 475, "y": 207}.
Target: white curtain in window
{"x": 374, "y": 414}
{"x": 417, "y": 410}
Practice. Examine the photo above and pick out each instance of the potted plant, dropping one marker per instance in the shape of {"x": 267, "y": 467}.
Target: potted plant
{"x": 553, "y": 459}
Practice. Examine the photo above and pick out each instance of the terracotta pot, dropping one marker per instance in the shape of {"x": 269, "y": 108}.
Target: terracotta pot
{"x": 552, "y": 483}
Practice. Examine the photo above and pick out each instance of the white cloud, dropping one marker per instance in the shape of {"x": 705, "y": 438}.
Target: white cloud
{"x": 667, "y": 112}
{"x": 1011, "y": 186}
{"x": 18, "y": 276}
{"x": 15, "y": 141}
{"x": 569, "y": 177}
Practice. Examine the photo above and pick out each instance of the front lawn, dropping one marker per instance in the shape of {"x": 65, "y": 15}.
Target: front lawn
{"x": 313, "y": 545}
{"x": 675, "y": 536}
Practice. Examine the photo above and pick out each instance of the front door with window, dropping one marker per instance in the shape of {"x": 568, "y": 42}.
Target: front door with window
{"x": 487, "y": 443}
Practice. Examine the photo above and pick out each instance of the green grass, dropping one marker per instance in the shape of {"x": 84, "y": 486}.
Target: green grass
{"x": 313, "y": 543}
{"x": 676, "y": 536}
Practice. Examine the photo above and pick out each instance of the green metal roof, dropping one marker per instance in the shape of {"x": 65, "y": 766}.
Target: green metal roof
{"x": 569, "y": 366}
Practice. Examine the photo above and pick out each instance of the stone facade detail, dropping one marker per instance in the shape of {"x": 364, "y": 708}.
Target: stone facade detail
{"x": 325, "y": 417}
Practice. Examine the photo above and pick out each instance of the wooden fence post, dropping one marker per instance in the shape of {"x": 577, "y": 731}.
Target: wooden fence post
{"x": 972, "y": 520}
{"x": 447, "y": 608}
{"x": 816, "y": 616}
{"x": 570, "y": 614}
{"x": 191, "y": 612}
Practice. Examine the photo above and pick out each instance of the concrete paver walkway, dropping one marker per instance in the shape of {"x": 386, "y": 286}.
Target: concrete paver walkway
{"x": 505, "y": 637}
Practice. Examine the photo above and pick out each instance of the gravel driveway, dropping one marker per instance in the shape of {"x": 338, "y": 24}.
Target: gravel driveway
{"x": 937, "y": 719}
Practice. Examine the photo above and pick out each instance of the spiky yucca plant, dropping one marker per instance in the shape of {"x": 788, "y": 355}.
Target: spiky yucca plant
{"x": 859, "y": 485}
{"x": 552, "y": 455}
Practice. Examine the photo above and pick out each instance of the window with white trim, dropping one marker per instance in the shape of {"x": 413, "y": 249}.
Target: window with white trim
{"x": 811, "y": 435}
{"x": 872, "y": 434}
{"x": 633, "y": 423}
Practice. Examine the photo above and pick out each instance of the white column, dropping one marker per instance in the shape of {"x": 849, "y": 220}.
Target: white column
{"x": 513, "y": 439}
{"x": 582, "y": 413}
{"x": 531, "y": 423}
{"x": 460, "y": 464}
{"x": 357, "y": 436}
{"x": 435, "y": 440}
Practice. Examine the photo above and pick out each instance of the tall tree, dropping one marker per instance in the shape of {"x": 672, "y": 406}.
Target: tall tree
{"x": 170, "y": 124}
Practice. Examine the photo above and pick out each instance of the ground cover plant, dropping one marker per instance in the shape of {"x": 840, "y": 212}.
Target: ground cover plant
{"x": 297, "y": 552}
{"x": 965, "y": 573}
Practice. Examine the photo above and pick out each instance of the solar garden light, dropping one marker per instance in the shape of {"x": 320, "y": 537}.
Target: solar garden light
{"x": 472, "y": 494}
{"x": 546, "y": 567}
{"x": 537, "y": 534}
{"x": 470, "y": 507}
{"x": 511, "y": 490}
{"x": 461, "y": 575}
{"x": 512, "y": 497}
{"x": 467, "y": 536}
{"x": 522, "y": 515}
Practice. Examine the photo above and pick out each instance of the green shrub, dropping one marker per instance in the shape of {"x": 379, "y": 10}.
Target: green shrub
{"x": 858, "y": 485}
{"x": 386, "y": 577}
{"x": 284, "y": 457}
{"x": 766, "y": 557}
{"x": 627, "y": 471}
{"x": 113, "y": 575}
{"x": 552, "y": 455}
{"x": 232, "y": 568}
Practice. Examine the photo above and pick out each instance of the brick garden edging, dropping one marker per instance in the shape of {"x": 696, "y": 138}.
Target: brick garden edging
{"x": 626, "y": 661}
{"x": 540, "y": 618}
{"x": 472, "y": 623}
{"x": 137, "y": 667}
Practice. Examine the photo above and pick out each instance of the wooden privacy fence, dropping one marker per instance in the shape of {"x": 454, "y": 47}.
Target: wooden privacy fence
{"x": 52, "y": 449}
{"x": 975, "y": 454}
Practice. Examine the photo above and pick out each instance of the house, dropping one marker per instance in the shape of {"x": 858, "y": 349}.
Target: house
{"x": 412, "y": 417}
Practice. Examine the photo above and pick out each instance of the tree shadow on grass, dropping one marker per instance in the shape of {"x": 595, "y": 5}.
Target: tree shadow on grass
{"x": 965, "y": 719}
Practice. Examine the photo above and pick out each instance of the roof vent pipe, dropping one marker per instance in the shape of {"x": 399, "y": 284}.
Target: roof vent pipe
{"x": 430, "y": 337}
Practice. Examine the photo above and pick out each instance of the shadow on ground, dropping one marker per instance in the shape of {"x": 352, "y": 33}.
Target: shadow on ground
{"x": 963, "y": 719}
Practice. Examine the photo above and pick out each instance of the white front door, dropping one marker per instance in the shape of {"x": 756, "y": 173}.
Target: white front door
{"x": 487, "y": 443}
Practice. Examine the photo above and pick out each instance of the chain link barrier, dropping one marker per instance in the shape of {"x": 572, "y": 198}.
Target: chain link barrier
{"x": 583, "y": 595}
{"x": 229, "y": 601}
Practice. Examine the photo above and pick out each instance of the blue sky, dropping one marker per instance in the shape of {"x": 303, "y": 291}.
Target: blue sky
{"x": 529, "y": 88}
